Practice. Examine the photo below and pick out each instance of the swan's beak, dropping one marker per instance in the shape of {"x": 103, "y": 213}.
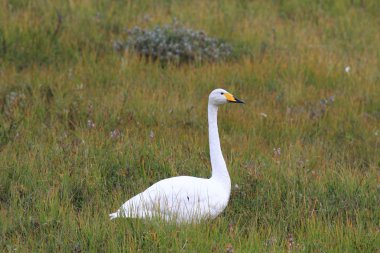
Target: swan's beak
{"x": 232, "y": 99}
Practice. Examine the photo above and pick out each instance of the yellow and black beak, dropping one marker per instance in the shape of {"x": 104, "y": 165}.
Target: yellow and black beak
{"x": 232, "y": 99}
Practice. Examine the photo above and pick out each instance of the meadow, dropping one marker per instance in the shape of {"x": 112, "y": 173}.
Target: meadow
{"x": 84, "y": 127}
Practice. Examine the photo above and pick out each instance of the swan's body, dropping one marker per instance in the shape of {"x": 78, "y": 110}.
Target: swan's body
{"x": 184, "y": 198}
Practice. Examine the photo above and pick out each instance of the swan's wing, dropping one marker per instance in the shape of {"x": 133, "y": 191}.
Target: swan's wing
{"x": 177, "y": 198}
{"x": 186, "y": 197}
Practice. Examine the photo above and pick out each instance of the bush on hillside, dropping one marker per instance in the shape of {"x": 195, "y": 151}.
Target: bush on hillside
{"x": 175, "y": 43}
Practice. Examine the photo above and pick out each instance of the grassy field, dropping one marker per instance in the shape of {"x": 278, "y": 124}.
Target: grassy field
{"x": 83, "y": 128}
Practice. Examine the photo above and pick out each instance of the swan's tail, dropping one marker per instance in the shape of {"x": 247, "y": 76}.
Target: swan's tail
{"x": 114, "y": 215}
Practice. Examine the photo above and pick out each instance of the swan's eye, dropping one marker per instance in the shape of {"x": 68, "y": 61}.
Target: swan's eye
{"x": 222, "y": 93}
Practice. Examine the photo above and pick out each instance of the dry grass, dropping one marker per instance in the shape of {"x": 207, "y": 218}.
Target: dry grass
{"x": 76, "y": 120}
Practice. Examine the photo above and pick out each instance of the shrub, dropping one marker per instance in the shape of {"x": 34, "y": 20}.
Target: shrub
{"x": 175, "y": 43}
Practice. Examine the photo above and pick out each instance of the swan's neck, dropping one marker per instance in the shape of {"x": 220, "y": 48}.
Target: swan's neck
{"x": 218, "y": 165}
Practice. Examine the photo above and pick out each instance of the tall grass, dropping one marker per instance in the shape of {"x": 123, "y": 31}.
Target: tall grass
{"x": 83, "y": 128}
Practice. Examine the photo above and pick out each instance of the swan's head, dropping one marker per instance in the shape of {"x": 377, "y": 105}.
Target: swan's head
{"x": 220, "y": 97}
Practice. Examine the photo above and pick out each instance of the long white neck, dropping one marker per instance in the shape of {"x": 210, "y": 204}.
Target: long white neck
{"x": 218, "y": 165}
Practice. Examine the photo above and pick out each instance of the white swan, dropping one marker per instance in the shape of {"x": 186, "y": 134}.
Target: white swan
{"x": 184, "y": 198}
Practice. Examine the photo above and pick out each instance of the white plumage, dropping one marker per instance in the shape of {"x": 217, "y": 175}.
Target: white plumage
{"x": 184, "y": 198}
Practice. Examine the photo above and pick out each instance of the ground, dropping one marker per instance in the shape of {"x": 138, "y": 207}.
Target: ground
{"x": 84, "y": 127}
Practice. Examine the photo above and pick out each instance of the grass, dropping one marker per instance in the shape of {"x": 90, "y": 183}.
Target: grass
{"x": 303, "y": 152}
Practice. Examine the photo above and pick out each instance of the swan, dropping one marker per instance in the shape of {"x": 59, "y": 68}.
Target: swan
{"x": 187, "y": 199}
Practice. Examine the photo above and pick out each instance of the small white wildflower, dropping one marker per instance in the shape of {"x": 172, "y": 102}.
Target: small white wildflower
{"x": 277, "y": 151}
{"x": 347, "y": 69}
{"x": 151, "y": 134}
{"x": 90, "y": 124}
{"x": 80, "y": 86}
{"x": 237, "y": 187}
{"x": 263, "y": 114}
{"x": 290, "y": 242}
{"x": 115, "y": 134}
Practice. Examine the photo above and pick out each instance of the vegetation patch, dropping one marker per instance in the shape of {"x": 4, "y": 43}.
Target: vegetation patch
{"x": 83, "y": 129}
{"x": 176, "y": 43}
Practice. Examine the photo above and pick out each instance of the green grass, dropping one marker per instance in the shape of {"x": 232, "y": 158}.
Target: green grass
{"x": 59, "y": 178}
